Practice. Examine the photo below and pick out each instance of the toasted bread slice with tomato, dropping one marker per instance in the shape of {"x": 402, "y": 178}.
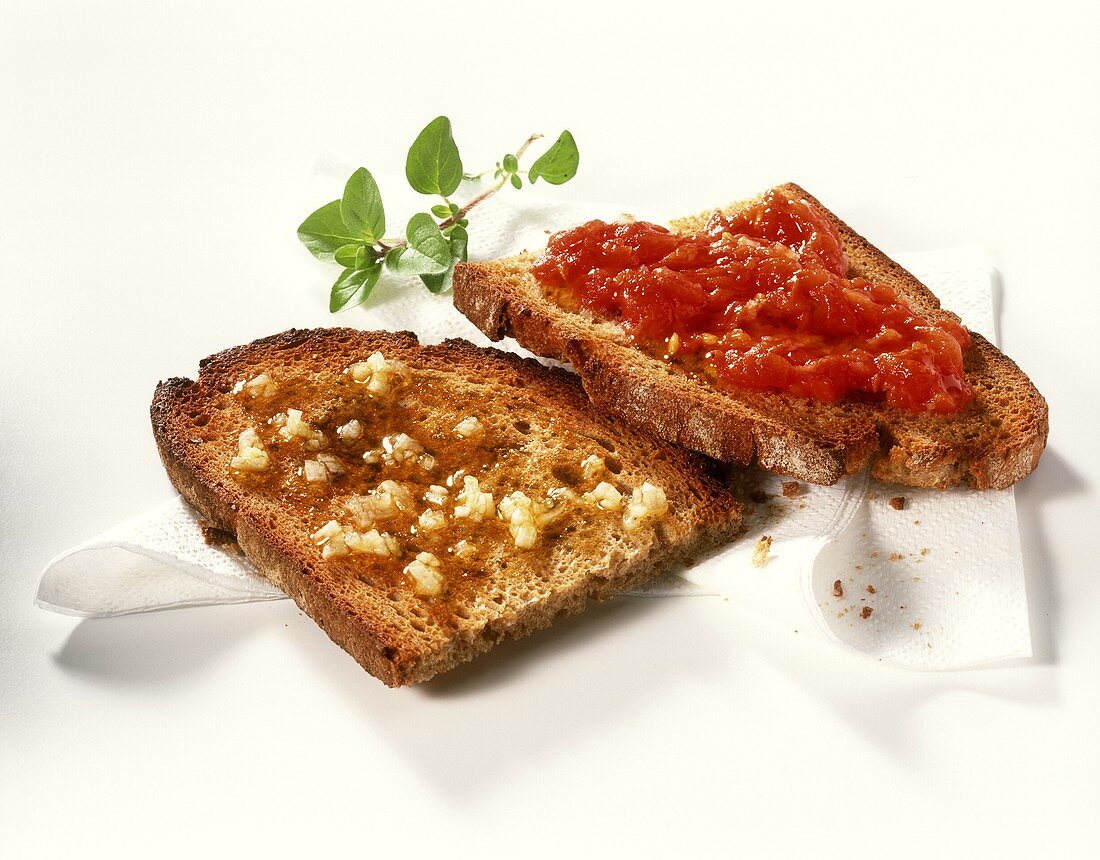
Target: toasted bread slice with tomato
{"x": 991, "y": 443}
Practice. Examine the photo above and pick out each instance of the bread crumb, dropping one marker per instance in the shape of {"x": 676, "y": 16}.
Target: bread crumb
{"x": 220, "y": 539}
{"x": 802, "y": 506}
{"x": 924, "y": 550}
{"x": 859, "y": 567}
{"x": 865, "y": 612}
{"x": 791, "y": 489}
{"x": 760, "y": 552}
{"x": 758, "y": 496}
{"x": 898, "y": 503}
{"x": 870, "y": 589}
{"x": 916, "y": 625}
{"x": 916, "y": 522}
{"x": 874, "y": 554}
{"x": 838, "y": 589}
{"x": 896, "y": 556}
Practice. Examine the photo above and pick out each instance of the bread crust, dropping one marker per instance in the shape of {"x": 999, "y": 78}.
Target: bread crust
{"x": 195, "y": 423}
{"x": 994, "y": 442}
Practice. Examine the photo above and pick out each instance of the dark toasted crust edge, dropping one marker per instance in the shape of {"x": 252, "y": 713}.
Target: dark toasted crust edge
{"x": 225, "y": 507}
{"x": 650, "y": 394}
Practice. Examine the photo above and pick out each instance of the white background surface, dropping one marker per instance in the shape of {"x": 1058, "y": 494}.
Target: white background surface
{"x": 146, "y": 152}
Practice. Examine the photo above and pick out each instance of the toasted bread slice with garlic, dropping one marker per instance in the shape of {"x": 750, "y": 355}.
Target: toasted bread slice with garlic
{"x": 993, "y": 442}
{"x": 422, "y": 503}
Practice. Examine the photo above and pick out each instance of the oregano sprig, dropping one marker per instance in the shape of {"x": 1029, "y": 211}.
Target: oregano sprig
{"x": 351, "y": 231}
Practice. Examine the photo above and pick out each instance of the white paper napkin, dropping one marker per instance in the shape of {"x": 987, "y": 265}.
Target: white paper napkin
{"x": 936, "y": 585}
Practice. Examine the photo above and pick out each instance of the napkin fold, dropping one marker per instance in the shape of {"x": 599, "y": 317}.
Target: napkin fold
{"x": 936, "y": 584}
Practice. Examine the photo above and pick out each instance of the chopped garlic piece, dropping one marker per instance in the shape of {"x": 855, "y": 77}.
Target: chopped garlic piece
{"x": 351, "y": 431}
{"x": 437, "y": 495}
{"x": 330, "y": 537}
{"x": 592, "y": 466}
{"x": 471, "y": 502}
{"x": 464, "y": 549}
{"x": 251, "y": 454}
{"x": 430, "y": 520}
{"x": 761, "y": 550}
{"x": 383, "y": 503}
{"x": 546, "y": 511}
{"x": 648, "y": 502}
{"x": 426, "y": 575}
{"x": 323, "y": 469}
{"x": 468, "y": 427}
{"x": 396, "y": 494}
{"x": 604, "y": 496}
{"x": 518, "y": 510}
{"x": 525, "y": 516}
{"x": 334, "y": 466}
{"x": 327, "y": 531}
{"x": 315, "y": 471}
{"x": 292, "y": 426}
{"x": 259, "y": 386}
{"x": 336, "y": 540}
{"x": 401, "y": 447}
{"x": 556, "y": 497}
{"x": 372, "y": 542}
{"x": 379, "y": 374}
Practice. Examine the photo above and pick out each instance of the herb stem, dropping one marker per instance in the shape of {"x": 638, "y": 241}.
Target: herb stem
{"x": 490, "y": 191}
{"x": 387, "y": 245}
{"x": 470, "y": 204}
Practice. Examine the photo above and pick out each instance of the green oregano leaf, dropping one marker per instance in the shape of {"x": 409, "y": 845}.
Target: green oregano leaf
{"x": 324, "y": 232}
{"x": 511, "y": 163}
{"x": 428, "y": 252}
{"x": 441, "y": 210}
{"x": 353, "y": 287}
{"x": 516, "y": 181}
{"x": 437, "y": 284}
{"x": 559, "y": 163}
{"x": 346, "y": 256}
{"x": 361, "y": 207}
{"x": 458, "y": 240}
{"x": 392, "y": 259}
{"x": 433, "y": 165}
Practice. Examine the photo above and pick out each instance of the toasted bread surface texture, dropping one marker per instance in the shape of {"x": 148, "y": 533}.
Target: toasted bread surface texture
{"x": 437, "y": 573}
{"x": 992, "y": 443}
